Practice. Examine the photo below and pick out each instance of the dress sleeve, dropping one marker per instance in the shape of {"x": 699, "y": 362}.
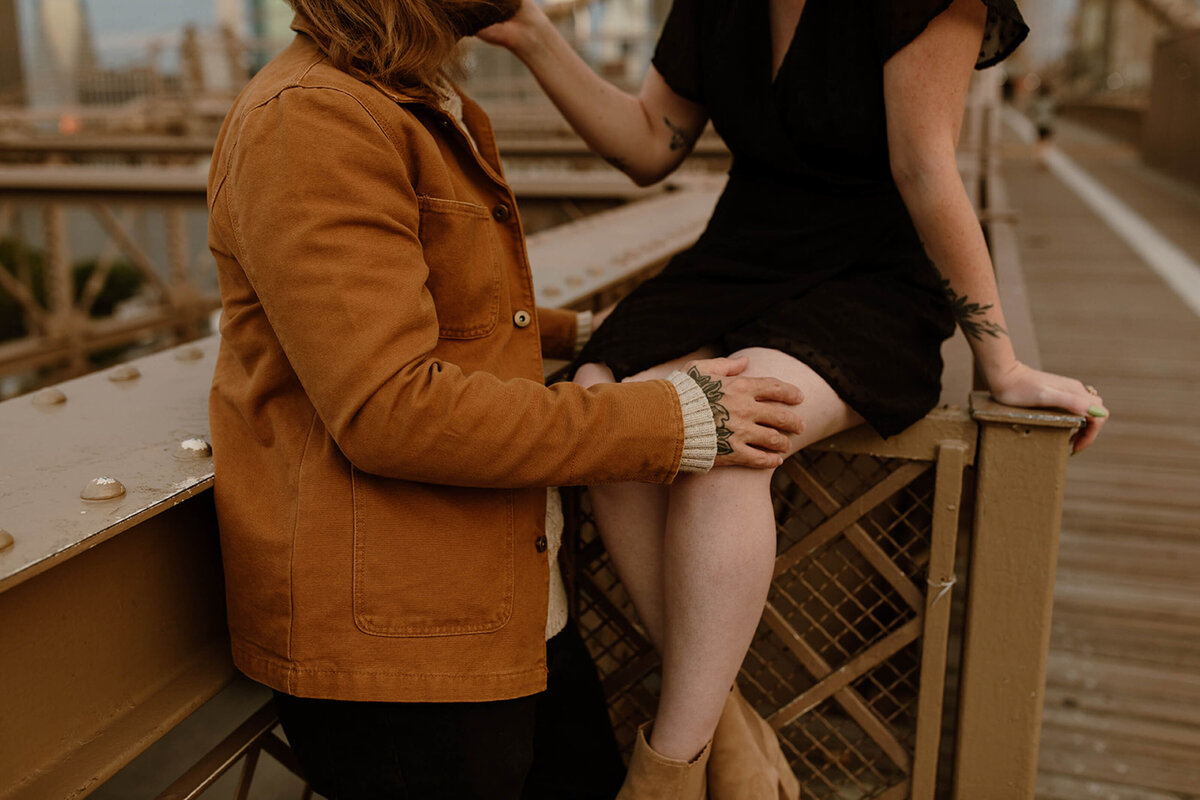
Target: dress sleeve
{"x": 677, "y": 55}
{"x": 898, "y": 23}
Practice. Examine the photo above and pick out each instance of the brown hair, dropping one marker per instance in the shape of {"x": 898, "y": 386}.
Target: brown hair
{"x": 402, "y": 44}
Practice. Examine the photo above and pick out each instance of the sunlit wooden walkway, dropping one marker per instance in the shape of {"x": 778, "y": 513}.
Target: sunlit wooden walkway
{"x": 1122, "y": 715}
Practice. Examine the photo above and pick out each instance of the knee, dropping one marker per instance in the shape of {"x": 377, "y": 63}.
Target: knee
{"x": 593, "y": 374}
{"x": 734, "y": 483}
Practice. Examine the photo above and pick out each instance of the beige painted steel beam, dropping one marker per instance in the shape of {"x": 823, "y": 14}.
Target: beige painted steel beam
{"x": 130, "y": 430}
{"x": 108, "y": 651}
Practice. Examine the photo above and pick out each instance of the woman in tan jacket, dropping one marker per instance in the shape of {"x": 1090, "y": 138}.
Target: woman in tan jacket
{"x": 383, "y": 439}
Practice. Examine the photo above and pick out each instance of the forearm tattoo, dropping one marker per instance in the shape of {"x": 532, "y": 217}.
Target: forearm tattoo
{"x": 971, "y": 315}
{"x": 712, "y": 390}
{"x": 679, "y": 138}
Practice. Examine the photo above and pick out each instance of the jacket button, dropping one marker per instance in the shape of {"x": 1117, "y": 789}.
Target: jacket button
{"x": 522, "y": 319}
{"x": 501, "y": 213}
{"x": 541, "y": 544}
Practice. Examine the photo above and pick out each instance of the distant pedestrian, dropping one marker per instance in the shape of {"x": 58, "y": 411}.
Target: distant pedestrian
{"x": 1043, "y": 109}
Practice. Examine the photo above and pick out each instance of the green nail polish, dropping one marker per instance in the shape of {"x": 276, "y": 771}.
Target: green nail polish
{"x": 1097, "y": 411}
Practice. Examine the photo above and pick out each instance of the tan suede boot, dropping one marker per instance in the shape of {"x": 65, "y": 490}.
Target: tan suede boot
{"x": 747, "y": 762}
{"x": 655, "y": 777}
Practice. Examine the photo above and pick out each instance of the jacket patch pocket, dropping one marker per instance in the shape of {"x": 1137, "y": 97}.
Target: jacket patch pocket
{"x": 431, "y": 560}
{"x": 464, "y": 276}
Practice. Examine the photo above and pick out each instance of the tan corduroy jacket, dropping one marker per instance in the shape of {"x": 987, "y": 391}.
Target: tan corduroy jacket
{"x": 381, "y": 431}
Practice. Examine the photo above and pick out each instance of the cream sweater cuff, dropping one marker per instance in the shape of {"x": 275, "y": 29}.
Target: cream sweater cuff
{"x": 699, "y": 430}
{"x": 583, "y": 330}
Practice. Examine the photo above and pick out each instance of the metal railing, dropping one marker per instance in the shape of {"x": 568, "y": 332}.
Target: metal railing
{"x": 169, "y": 290}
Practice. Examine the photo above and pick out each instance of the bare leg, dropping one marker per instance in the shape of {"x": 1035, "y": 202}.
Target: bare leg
{"x": 718, "y": 555}
{"x": 700, "y": 588}
{"x": 631, "y": 517}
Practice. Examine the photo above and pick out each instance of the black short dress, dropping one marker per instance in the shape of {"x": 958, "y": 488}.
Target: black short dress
{"x": 810, "y": 249}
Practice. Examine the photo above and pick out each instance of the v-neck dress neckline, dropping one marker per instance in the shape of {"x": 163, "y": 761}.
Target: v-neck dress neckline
{"x": 773, "y": 73}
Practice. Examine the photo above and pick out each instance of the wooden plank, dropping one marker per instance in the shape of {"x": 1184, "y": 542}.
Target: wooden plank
{"x": 1114, "y": 676}
{"x": 1070, "y": 787}
{"x": 1168, "y": 734}
{"x": 1083, "y": 753}
{"x": 918, "y": 442}
{"x": 1166, "y": 643}
{"x": 1171, "y": 601}
{"x": 1123, "y": 705}
{"x": 1135, "y": 556}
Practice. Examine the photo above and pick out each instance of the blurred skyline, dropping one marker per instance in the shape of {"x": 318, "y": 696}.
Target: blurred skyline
{"x": 124, "y": 30}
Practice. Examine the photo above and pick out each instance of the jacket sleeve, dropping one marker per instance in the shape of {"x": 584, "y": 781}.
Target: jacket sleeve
{"x": 558, "y": 332}
{"x": 324, "y": 219}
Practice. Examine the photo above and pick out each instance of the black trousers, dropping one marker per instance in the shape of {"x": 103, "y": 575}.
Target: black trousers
{"x": 555, "y": 745}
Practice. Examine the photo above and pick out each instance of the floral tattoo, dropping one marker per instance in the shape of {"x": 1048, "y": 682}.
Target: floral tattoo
{"x": 970, "y": 315}
{"x": 712, "y": 390}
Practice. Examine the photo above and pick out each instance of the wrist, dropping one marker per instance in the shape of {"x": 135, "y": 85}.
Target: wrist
{"x": 699, "y": 428}
{"x": 997, "y": 373}
{"x": 533, "y": 37}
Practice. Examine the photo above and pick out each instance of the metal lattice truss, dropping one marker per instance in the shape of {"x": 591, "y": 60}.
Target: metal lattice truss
{"x": 860, "y": 601}
{"x": 61, "y": 328}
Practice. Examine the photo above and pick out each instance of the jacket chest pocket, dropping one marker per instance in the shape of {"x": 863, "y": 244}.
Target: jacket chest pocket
{"x": 459, "y": 245}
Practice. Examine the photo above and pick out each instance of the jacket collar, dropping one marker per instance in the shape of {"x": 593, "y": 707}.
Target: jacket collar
{"x": 475, "y": 118}
{"x": 301, "y": 24}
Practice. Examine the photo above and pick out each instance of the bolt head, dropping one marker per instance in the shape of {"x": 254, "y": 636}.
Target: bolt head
{"x": 125, "y": 372}
{"x": 191, "y": 353}
{"x": 103, "y": 489}
{"x": 193, "y": 449}
{"x": 6, "y": 540}
{"x": 48, "y": 398}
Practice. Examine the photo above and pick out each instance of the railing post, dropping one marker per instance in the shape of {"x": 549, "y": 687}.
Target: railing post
{"x": 1010, "y": 591}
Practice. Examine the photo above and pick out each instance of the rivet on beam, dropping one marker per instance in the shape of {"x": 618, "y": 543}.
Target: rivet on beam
{"x": 191, "y": 449}
{"x": 125, "y": 372}
{"x": 103, "y": 489}
{"x": 49, "y": 397}
{"x": 6, "y": 540}
{"x": 189, "y": 354}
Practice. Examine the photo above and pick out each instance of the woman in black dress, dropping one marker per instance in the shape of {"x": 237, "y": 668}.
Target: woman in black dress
{"x": 818, "y": 267}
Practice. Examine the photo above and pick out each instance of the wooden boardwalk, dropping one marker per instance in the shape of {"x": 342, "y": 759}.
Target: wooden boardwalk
{"x": 1122, "y": 715}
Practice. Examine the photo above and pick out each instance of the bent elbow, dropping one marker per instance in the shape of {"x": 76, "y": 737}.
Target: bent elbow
{"x": 908, "y": 173}
{"x": 645, "y": 179}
